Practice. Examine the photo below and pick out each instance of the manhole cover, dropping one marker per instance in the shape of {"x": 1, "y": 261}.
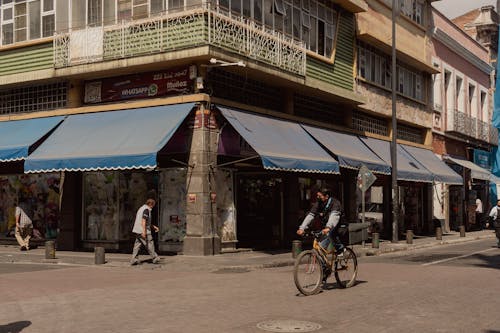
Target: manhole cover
{"x": 288, "y": 326}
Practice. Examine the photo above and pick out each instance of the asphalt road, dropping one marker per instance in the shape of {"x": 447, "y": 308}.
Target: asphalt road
{"x": 417, "y": 292}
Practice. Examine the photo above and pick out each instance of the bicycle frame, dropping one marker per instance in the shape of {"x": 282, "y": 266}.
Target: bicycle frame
{"x": 324, "y": 253}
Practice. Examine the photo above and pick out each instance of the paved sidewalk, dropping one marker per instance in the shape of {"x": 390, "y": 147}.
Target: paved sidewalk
{"x": 238, "y": 261}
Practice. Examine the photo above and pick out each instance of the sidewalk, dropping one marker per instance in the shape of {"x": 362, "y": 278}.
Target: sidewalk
{"x": 228, "y": 262}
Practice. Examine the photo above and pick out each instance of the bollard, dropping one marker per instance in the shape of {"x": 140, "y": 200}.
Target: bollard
{"x": 50, "y": 250}
{"x": 409, "y": 236}
{"x": 375, "y": 240}
{"x": 439, "y": 233}
{"x": 296, "y": 248}
{"x": 99, "y": 255}
{"x": 461, "y": 228}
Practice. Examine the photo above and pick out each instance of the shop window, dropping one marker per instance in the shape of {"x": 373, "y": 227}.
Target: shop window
{"x": 39, "y": 193}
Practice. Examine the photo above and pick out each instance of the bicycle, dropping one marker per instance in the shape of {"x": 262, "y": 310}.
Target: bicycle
{"x": 312, "y": 267}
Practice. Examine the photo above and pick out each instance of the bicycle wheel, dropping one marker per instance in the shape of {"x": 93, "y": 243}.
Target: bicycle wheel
{"x": 346, "y": 269}
{"x": 308, "y": 273}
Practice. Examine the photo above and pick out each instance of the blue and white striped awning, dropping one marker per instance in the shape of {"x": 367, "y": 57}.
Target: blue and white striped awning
{"x": 18, "y": 137}
{"x": 350, "y": 151}
{"x": 281, "y": 145}
{"x": 113, "y": 140}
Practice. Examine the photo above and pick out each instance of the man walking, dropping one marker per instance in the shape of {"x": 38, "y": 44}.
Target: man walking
{"x": 142, "y": 231}
{"x": 495, "y": 217}
{"x": 24, "y": 227}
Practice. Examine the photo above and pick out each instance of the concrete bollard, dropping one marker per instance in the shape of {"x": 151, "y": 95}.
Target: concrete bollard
{"x": 461, "y": 228}
{"x": 296, "y": 248}
{"x": 375, "y": 240}
{"x": 439, "y": 233}
{"x": 99, "y": 255}
{"x": 409, "y": 236}
{"x": 50, "y": 250}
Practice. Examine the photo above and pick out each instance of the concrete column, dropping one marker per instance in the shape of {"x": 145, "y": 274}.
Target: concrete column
{"x": 202, "y": 229}
{"x": 76, "y": 94}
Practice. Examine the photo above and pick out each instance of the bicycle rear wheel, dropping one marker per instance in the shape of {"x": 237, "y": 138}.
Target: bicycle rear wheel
{"x": 346, "y": 269}
{"x": 308, "y": 273}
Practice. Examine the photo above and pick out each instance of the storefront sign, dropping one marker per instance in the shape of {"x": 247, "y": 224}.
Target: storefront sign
{"x": 482, "y": 158}
{"x": 175, "y": 81}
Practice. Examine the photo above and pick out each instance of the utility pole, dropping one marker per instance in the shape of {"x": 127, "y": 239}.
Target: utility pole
{"x": 394, "y": 161}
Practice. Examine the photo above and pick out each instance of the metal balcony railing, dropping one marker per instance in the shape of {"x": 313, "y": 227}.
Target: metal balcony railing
{"x": 202, "y": 25}
{"x": 472, "y": 127}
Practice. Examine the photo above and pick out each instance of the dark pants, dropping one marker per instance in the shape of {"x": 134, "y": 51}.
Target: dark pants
{"x": 496, "y": 224}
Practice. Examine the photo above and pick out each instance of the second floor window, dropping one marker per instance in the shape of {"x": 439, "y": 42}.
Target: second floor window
{"x": 24, "y": 20}
{"x": 376, "y": 67}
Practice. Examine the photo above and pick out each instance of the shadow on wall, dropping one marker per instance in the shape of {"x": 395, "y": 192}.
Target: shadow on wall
{"x": 14, "y": 327}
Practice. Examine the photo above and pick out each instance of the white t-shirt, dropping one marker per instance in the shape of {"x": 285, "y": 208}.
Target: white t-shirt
{"x": 24, "y": 220}
{"x": 479, "y": 205}
{"x": 144, "y": 212}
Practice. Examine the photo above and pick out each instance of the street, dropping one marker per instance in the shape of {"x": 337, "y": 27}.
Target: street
{"x": 452, "y": 288}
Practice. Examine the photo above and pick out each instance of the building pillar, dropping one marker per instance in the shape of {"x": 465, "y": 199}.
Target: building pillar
{"x": 76, "y": 93}
{"x": 202, "y": 229}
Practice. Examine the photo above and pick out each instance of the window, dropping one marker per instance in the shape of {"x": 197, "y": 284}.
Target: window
{"x": 94, "y": 12}
{"x": 34, "y": 98}
{"x": 140, "y": 9}
{"x": 375, "y": 67}
{"x": 20, "y": 22}
{"x": 483, "y": 115}
{"x": 409, "y": 133}
{"x": 472, "y": 101}
{"x": 365, "y": 123}
{"x": 413, "y": 9}
{"x": 459, "y": 94}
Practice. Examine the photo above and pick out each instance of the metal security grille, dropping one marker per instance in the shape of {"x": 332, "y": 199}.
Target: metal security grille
{"x": 243, "y": 90}
{"x": 370, "y": 124}
{"x": 34, "y": 98}
{"x": 411, "y": 134}
{"x": 314, "y": 108}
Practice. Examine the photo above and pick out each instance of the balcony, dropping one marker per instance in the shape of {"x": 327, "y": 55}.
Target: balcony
{"x": 468, "y": 126}
{"x": 181, "y": 30}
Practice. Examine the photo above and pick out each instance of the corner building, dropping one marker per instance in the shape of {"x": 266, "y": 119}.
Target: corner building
{"x": 232, "y": 112}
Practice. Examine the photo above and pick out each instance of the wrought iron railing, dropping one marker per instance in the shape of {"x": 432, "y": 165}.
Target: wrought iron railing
{"x": 199, "y": 26}
{"x": 472, "y": 127}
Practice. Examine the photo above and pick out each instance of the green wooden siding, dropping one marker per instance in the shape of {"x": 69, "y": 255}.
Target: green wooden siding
{"x": 340, "y": 73}
{"x": 26, "y": 59}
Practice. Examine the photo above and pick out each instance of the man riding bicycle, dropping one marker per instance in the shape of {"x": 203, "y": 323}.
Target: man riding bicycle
{"x": 327, "y": 209}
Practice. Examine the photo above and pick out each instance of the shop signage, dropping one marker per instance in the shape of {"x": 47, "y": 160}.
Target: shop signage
{"x": 365, "y": 178}
{"x": 482, "y": 158}
{"x": 176, "y": 81}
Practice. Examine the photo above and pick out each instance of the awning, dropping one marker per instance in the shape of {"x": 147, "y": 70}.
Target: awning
{"x": 442, "y": 173}
{"x": 350, "y": 151}
{"x": 409, "y": 168}
{"x": 113, "y": 140}
{"x": 476, "y": 171}
{"x": 282, "y": 145}
{"x": 17, "y": 137}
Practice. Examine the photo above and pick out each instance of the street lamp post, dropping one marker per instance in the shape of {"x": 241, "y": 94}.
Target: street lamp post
{"x": 394, "y": 164}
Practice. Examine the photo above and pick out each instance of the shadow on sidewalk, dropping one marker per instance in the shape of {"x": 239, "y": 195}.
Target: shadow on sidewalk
{"x": 15, "y": 327}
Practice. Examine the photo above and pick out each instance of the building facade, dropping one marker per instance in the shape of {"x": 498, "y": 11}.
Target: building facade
{"x": 232, "y": 113}
{"x": 462, "y": 130}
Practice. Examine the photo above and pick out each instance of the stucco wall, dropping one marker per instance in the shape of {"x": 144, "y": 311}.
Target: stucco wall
{"x": 380, "y": 101}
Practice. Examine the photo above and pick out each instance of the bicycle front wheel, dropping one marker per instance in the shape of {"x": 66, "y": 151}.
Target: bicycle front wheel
{"x": 346, "y": 269}
{"x": 308, "y": 273}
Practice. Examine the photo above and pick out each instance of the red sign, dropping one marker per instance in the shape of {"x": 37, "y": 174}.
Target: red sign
{"x": 175, "y": 81}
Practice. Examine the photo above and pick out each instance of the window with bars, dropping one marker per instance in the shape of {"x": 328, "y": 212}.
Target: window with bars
{"x": 35, "y": 98}
{"x": 317, "y": 109}
{"x": 409, "y": 133}
{"x": 375, "y": 66}
{"x": 241, "y": 89}
{"x": 365, "y": 123}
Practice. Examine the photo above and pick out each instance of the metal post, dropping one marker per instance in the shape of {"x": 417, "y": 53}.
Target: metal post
{"x": 296, "y": 248}
{"x": 394, "y": 171}
{"x": 375, "y": 240}
{"x": 50, "y": 250}
{"x": 99, "y": 255}
{"x": 461, "y": 228}
{"x": 409, "y": 236}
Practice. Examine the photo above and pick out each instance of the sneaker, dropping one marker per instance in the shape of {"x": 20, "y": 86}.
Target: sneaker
{"x": 156, "y": 260}
{"x": 340, "y": 253}
{"x": 23, "y": 248}
{"x": 134, "y": 262}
